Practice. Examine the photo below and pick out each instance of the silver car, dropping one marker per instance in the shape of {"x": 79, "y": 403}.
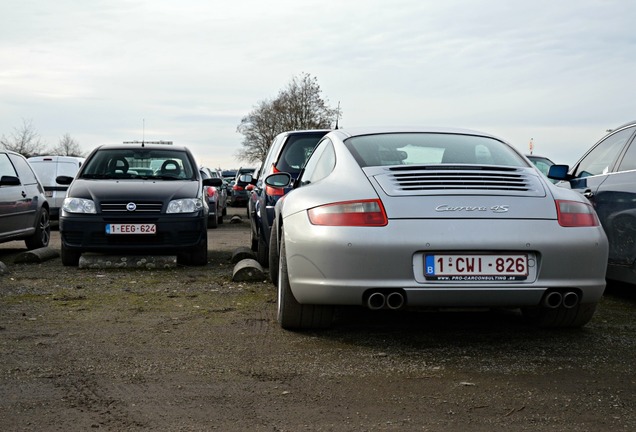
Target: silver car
{"x": 390, "y": 219}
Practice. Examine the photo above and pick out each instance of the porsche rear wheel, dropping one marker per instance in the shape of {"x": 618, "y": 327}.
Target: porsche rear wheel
{"x": 273, "y": 257}
{"x": 293, "y": 315}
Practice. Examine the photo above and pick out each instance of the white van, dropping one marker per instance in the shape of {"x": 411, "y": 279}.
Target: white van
{"x": 47, "y": 169}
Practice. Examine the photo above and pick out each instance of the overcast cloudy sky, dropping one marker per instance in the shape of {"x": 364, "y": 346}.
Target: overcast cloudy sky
{"x": 557, "y": 72}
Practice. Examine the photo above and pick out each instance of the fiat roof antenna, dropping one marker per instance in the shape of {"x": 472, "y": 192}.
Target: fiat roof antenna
{"x": 143, "y": 131}
{"x": 337, "y": 116}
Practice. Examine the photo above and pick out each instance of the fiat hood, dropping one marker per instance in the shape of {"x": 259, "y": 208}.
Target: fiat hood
{"x": 147, "y": 190}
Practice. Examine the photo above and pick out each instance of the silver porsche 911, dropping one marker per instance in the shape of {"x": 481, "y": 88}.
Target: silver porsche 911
{"x": 433, "y": 217}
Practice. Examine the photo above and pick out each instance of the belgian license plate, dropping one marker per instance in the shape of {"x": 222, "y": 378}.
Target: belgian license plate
{"x": 48, "y": 194}
{"x": 476, "y": 267}
{"x": 131, "y": 229}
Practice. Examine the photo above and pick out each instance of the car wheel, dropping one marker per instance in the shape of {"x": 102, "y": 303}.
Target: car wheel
{"x": 577, "y": 316}
{"x": 273, "y": 253}
{"x": 293, "y": 315}
{"x": 197, "y": 256}
{"x": 253, "y": 240}
{"x": 69, "y": 257}
{"x": 213, "y": 222}
{"x": 42, "y": 234}
{"x": 262, "y": 252}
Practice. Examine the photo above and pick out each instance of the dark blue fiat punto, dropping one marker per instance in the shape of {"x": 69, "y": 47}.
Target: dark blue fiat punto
{"x": 141, "y": 198}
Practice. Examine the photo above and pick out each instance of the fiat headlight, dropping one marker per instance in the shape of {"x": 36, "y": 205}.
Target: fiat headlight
{"x": 78, "y": 205}
{"x": 186, "y": 205}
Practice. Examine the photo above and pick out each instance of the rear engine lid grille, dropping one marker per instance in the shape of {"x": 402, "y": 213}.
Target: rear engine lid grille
{"x": 449, "y": 180}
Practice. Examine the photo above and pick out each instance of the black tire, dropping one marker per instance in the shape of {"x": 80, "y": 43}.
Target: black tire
{"x": 219, "y": 220}
{"x": 213, "y": 221}
{"x": 225, "y": 210}
{"x": 42, "y": 234}
{"x": 262, "y": 252}
{"x": 273, "y": 253}
{"x": 293, "y": 315}
{"x": 253, "y": 240}
{"x": 197, "y": 256}
{"x": 70, "y": 257}
{"x": 562, "y": 317}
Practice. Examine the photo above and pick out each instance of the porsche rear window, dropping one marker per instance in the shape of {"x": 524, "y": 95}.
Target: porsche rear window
{"x": 431, "y": 149}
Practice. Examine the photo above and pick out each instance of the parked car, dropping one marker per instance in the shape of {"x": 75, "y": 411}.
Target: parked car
{"x": 48, "y": 168}
{"x": 24, "y": 210}
{"x": 108, "y": 208}
{"x": 606, "y": 176}
{"x": 238, "y": 194}
{"x": 228, "y": 177}
{"x": 288, "y": 153}
{"x": 217, "y": 197}
{"x": 542, "y": 163}
{"x": 436, "y": 218}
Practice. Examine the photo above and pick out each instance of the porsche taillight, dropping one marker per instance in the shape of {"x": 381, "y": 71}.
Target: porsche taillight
{"x": 575, "y": 214}
{"x": 349, "y": 213}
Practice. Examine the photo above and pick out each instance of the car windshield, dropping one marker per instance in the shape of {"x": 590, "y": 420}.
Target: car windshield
{"x": 431, "y": 149}
{"x": 139, "y": 163}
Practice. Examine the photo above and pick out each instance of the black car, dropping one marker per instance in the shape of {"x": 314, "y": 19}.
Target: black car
{"x": 217, "y": 197}
{"x": 239, "y": 195}
{"x": 606, "y": 175}
{"x": 158, "y": 207}
{"x": 24, "y": 211}
{"x": 228, "y": 178}
{"x": 288, "y": 153}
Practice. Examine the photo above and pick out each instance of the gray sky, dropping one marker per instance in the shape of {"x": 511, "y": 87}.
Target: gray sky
{"x": 556, "y": 72}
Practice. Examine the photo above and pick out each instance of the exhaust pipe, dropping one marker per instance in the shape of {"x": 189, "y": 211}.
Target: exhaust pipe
{"x": 553, "y": 299}
{"x": 376, "y": 301}
{"x": 570, "y": 299}
{"x": 395, "y": 300}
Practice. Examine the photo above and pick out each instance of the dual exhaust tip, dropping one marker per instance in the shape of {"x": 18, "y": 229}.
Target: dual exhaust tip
{"x": 566, "y": 299}
{"x": 390, "y": 300}
{"x": 396, "y": 300}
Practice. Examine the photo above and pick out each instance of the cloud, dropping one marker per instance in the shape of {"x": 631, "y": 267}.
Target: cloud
{"x": 556, "y": 72}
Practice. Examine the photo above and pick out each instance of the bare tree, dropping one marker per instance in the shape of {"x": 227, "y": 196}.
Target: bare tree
{"x": 259, "y": 128}
{"x": 298, "y": 106}
{"x": 68, "y": 147}
{"x": 24, "y": 140}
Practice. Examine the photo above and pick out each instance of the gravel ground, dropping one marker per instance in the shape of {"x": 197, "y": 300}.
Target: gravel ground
{"x": 187, "y": 349}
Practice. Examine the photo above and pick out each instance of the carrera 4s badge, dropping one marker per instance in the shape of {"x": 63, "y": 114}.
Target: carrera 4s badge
{"x": 494, "y": 209}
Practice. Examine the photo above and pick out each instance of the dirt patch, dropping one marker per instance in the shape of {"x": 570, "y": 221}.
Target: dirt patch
{"x": 187, "y": 349}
